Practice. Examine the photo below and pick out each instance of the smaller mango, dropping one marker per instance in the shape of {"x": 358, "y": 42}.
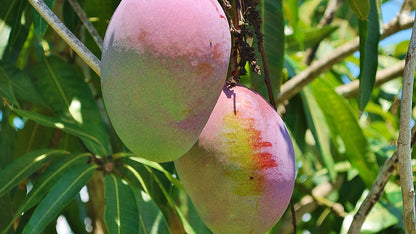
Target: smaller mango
{"x": 240, "y": 174}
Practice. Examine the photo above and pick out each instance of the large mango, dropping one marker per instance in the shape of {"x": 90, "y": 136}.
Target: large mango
{"x": 163, "y": 66}
{"x": 240, "y": 175}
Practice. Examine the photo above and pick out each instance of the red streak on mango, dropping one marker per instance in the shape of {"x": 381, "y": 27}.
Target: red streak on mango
{"x": 246, "y": 150}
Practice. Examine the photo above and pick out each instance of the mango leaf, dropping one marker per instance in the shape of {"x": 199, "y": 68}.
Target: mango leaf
{"x": 40, "y": 24}
{"x": 101, "y": 10}
{"x": 16, "y": 85}
{"x": 66, "y": 92}
{"x": 320, "y": 130}
{"x": 11, "y": 11}
{"x": 274, "y": 38}
{"x": 312, "y": 37}
{"x": 6, "y": 90}
{"x": 7, "y": 146}
{"x": 151, "y": 218}
{"x": 18, "y": 33}
{"x": 343, "y": 124}
{"x": 361, "y": 8}
{"x": 47, "y": 179}
{"x": 156, "y": 187}
{"x": 369, "y": 39}
{"x": 153, "y": 165}
{"x": 58, "y": 197}
{"x": 121, "y": 212}
{"x": 24, "y": 166}
{"x": 90, "y": 141}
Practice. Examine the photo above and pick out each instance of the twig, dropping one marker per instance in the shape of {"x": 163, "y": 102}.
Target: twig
{"x": 67, "y": 35}
{"x": 81, "y": 14}
{"x": 377, "y": 189}
{"x": 294, "y": 85}
{"x": 351, "y": 89}
{"x": 327, "y": 18}
{"x": 255, "y": 20}
{"x": 403, "y": 143}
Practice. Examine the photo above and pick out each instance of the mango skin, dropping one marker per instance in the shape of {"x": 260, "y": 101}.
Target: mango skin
{"x": 163, "y": 65}
{"x": 240, "y": 175}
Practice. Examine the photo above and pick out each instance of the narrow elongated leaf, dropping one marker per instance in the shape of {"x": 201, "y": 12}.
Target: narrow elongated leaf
{"x": 48, "y": 178}
{"x": 25, "y": 166}
{"x": 151, "y": 218}
{"x": 129, "y": 210}
{"x": 361, "y": 8}
{"x": 40, "y": 24}
{"x": 65, "y": 91}
{"x": 320, "y": 130}
{"x": 274, "y": 38}
{"x": 121, "y": 211}
{"x": 91, "y": 142}
{"x": 156, "y": 189}
{"x": 17, "y": 85}
{"x": 58, "y": 197}
{"x": 312, "y": 37}
{"x": 6, "y": 90}
{"x": 152, "y": 164}
{"x": 369, "y": 39}
{"x": 18, "y": 34}
{"x": 343, "y": 123}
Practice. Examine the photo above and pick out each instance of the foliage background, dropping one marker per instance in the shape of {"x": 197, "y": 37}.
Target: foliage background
{"x": 56, "y": 140}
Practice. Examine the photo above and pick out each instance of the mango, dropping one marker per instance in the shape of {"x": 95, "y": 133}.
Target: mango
{"x": 240, "y": 174}
{"x": 163, "y": 66}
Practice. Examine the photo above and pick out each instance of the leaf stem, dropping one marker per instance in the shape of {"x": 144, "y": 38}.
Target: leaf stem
{"x": 67, "y": 35}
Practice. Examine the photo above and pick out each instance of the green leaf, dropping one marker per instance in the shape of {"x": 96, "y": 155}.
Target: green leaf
{"x": 6, "y": 90}
{"x": 49, "y": 178}
{"x": 151, "y": 164}
{"x": 150, "y": 216}
{"x": 121, "y": 212}
{"x": 361, "y": 8}
{"x": 369, "y": 39}
{"x": 24, "y": 166}
{"x": 91, "y": 142}
{"x": 40, "y": 24}
{"x": 58, "y": 197}
{"x": 343, "y": 124}
{"x": 18, "y": 34}
{"x": 155, "y": 187}
{"x": 274, "y": 38}
{"x": 312, "y": 37}
{"x": 18, "y": 84}
{"x": 66, "y": 92}
{"x": 320, "y": 130}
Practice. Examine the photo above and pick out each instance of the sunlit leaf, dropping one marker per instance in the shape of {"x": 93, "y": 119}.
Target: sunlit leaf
{"x": 319, "y": 128}
{"x": 48, "y": 178}
{"x": 66, "y": 92}
{"x": 24, "y": 166}
{"x": 344, "y": 124}
{"x": 58, "y": 197}
{"x": 92, "y": 143}
{"x": 361, "y": 8}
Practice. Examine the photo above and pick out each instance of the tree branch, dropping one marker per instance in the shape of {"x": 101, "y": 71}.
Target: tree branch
{"x": 67, "y": 35}
{"x": 403, "y": 143}
{"x": 294, "y": 85}
{"x": 351, "y": 89}
{"x": 83, "y": 17}
{"x": 327, "y": 18}
{"x": 377, "y": 189}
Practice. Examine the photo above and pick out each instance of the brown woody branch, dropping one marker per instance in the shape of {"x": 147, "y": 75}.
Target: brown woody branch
{"x": 294, "y": 85}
